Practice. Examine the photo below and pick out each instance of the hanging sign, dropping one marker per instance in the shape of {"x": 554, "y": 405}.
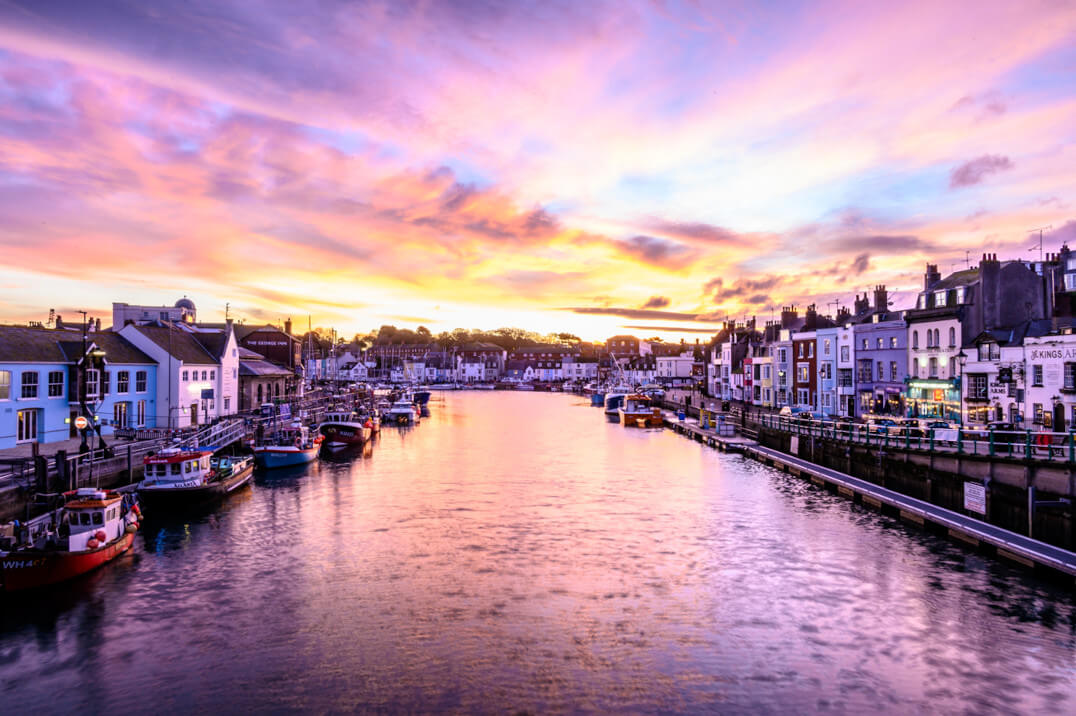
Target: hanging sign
{"x": 81, "y": 422}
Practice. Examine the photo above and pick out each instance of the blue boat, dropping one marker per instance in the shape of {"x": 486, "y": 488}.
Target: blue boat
{"x": 597, "y": 399}
{"x": 290, "y": 446}
{"x": 420, "y": 397}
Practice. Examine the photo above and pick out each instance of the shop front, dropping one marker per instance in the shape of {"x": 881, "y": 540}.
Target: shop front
{"x": 933, "y": 398}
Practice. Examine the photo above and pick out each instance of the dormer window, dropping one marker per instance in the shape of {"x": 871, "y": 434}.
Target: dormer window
{"x": 939, "y": 299}
{"x": 960, "y": 295}
{"x": 922, "y": 302}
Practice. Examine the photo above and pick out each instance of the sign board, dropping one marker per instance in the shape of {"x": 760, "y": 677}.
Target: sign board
{"x": 794, "y": 447}
{"x": 81, "y": 422}
{"x": 939, "y": 395}
{"x": 975, "y": 497}
{"x": 207, "y": 394}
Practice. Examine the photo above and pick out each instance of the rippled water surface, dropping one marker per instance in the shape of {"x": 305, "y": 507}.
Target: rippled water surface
{"x": 516, "y": 552}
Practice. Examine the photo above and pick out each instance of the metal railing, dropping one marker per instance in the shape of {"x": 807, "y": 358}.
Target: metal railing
{"x": 965, "y": 440}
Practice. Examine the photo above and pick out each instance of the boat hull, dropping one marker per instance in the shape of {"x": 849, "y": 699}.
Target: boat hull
{"x": 165, "y": 499}
{"x": 641, "y": 420}
{"x": 31, "y": 569}
{"x": 421, "y": 397}
{"x": 273, "y": 457}
{"x": 338, "y": 434}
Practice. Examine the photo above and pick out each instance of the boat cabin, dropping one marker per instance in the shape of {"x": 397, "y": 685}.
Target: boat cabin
{"x": 89, "y": 512}
{"x": 341, "y": 417}
{"x": 636, "y": 403}
{"x": 186, "y": 468}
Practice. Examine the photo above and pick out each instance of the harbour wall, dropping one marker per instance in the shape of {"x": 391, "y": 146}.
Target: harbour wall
{"x": 1011, "y": 485}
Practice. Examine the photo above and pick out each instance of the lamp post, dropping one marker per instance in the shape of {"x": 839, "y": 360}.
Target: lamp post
{"x": 960, "y": 358}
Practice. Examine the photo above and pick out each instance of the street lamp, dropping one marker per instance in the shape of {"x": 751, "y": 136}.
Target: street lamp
{"x": 960, "y": 358}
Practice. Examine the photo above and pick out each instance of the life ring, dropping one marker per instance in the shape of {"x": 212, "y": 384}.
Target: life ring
{"x": 298, "y": 442}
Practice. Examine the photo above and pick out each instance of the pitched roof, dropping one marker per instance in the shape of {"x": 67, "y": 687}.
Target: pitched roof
{"x": 20, "y": 344}
{"x": 180, "y": 344}
{"x": 44, "y": 345}
{"x": 262, "y": 369}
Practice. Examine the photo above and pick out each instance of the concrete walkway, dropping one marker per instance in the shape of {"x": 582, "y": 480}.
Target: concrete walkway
{"x": 71, "y": 445}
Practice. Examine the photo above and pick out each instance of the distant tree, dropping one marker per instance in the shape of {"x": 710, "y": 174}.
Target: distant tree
{"x": 423, "y": 331}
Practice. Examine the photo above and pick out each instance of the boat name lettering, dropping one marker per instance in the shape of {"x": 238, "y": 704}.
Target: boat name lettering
{"x": 23, "y": 563}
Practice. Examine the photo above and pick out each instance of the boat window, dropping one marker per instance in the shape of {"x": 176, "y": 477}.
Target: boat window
{"x": 175, "y": 468}
{"x": 84, "y": 518}
{"x": 98, "y": 518}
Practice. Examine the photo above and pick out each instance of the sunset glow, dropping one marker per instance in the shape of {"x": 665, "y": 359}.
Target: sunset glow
{"x": 585, "y": 167}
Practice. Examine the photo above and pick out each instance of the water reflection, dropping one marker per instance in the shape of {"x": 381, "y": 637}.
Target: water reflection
{"x": 515, "y": 551}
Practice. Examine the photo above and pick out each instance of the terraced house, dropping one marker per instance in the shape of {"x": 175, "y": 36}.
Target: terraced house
{"x": 42, "y": 376}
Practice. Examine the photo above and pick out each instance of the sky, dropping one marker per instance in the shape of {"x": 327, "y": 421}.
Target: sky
{"x": 595, "y": 167}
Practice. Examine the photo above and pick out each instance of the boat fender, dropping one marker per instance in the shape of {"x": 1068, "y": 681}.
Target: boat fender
{"x": 92, "y": 543}
{"x": 100, "y": 535}
{"x": 136, "y": 509}
{"x": 131, "y": 528}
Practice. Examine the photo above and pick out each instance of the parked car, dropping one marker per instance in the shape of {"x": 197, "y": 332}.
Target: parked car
{"x": 912, "y": 428}
{"x": 1006, "y": 432}
{"x": 882, "y": 426}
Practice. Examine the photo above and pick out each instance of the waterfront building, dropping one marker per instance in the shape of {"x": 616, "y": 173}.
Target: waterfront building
{"x": 198, "y": 370}
{"x": 40, "y": 386}
{"x": 826, "y": 350}
{"x": 762, "y": 380}
{"x": 1050, "y": 380}
{"x": 993, "y": 385}
{"x": 781, "y": 352}
{"x": 442, "y": 367}
{"x": 580, "y": 369}
{"x": 183, "y": 311}
{"x": 846, "y": 363}
{"x": 263, "y": 381}
{"x": 881, "y": 359}
{"x": 478, "y": 369}
{"x": 627, "y": 346}
{"x": 676, "y": 369}
{"x": 805, "y": 378}
{"x": 492, "y": 356}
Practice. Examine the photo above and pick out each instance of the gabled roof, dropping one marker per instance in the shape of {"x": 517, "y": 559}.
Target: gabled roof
{"x": 180, "y": 344}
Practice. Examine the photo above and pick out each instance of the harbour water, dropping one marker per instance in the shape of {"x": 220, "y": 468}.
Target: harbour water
{"x": 515, "y": 552}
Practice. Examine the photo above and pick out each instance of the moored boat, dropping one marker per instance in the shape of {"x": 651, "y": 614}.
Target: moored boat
{"x": 91, "y": 528}
{"x": 176, "y": 479}
{"x": 402, "y": 412}
{"x": 420, "y": 396}
{"x": 292, "y": 445}
{"x": 343, "y": 428}
{"x": 613, "y": 400}
{"x": 636, "y": 411}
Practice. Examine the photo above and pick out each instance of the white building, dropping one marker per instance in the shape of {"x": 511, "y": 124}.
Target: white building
{"x": 1050, "y": 377}
{"x": 675, "y": 369}
{"x": 182, "y": 312}
{"x": 197, "y": 374}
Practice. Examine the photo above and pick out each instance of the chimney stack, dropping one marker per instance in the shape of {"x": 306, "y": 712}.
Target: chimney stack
{"x": 881, "y": 299}
{"x": 287, "y": 326}
{"x": 931, "y": 277}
